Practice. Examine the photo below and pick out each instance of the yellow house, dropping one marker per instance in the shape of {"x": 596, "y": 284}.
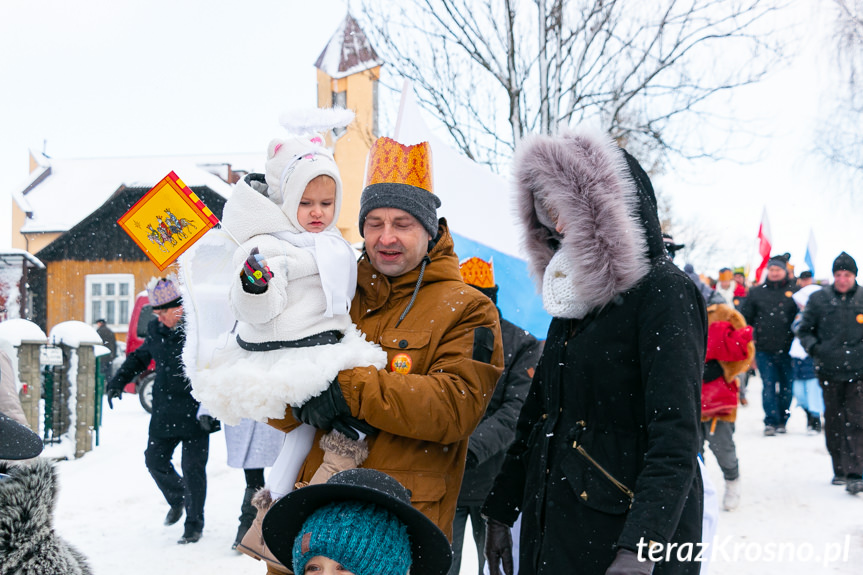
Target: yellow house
{"x": 348, "y": 73}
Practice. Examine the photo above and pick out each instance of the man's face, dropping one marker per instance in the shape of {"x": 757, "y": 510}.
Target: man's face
{"x": 395, "y": 241}
{"x": 776, "y": 273}
{"x": 169, "y": 317}
{"x": 724, "y": 284}
{"x": 843, "y": 281}
{"x": 740, "y": 278}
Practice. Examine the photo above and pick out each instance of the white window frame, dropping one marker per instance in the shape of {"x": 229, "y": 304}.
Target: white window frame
{"x": 104, "y": 279}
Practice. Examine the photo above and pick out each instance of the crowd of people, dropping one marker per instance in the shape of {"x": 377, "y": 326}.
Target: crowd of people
{"x": 589, "y": 441}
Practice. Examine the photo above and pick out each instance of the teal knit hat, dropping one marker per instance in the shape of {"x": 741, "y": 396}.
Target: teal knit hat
{"x": 364, "y": 538}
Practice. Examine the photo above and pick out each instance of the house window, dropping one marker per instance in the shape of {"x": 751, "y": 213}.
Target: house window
{"x": 110, "y": 297}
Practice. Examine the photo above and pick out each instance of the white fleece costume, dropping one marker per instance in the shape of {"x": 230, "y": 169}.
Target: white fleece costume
{"x": 313, "y": 283}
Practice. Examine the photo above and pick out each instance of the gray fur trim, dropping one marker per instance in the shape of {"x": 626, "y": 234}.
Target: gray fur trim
{"x": 28, "y": 543}
{"x": 584, "y": 180}
{"x": 340, "y": 444}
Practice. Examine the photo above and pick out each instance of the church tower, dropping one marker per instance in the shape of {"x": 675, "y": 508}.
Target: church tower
{"x": 348, "y": 73}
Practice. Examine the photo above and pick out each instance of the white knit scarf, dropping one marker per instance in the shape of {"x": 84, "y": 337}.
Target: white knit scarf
{"x": 337, "y": 265}
{"x": 560, "y": 296}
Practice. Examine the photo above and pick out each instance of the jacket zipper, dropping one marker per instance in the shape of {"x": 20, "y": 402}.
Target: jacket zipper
{"x": 602, "y": 470}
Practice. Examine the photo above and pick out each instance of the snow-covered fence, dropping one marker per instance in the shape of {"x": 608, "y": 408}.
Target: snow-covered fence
{"x": 21, "y": 340}
{"x": 74, "y": 393}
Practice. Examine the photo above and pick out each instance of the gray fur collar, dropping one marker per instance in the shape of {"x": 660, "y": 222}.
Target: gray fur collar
{"x": 28, "y": 543}
{"x": 583, "y": 182}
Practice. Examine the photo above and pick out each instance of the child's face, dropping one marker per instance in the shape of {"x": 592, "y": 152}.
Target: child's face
{"x": 324, "y": 566}
{"x": 318, "y": 205}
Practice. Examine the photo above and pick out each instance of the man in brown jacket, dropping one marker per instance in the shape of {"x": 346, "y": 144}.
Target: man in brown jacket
{"x": 442, "y": 340}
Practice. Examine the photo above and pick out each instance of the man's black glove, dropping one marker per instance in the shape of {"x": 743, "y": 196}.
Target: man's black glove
{"x": 498, "y": 547}
{"x": 626, "y": 562}
{"x": 209, "y": 423}
{"x": 114, "y": 393}
{"x": 329, "y": 411}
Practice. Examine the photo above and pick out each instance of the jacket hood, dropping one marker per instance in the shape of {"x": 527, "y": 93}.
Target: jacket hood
{"x": 249, "y": 212}
{"x": 603, "y": 201}
{"x": 28, "y": 543}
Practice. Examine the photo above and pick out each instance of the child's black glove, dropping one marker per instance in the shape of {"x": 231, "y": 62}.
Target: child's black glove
{"x": 256, "y": 274}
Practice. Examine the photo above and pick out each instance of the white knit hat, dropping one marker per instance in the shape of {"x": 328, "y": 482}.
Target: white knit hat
{"x": 291, "y": 165}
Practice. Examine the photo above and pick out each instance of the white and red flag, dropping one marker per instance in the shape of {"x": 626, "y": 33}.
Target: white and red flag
{"x": 765, "y": 243}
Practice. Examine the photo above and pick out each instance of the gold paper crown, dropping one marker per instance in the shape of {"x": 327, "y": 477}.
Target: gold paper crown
{"x": 477, "y": 272}
{"x": 394, "y": 163}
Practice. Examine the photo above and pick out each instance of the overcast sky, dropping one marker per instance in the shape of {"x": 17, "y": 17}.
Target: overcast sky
{"x": 99, "y": 78}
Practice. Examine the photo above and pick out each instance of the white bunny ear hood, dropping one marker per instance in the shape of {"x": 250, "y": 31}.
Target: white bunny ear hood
{"x": 293, "y": 163}
{"x": 604, "y": 203}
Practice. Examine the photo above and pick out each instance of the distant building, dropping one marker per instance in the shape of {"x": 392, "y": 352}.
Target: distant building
{"x": 80, "y": 265}
{"x": 67, "y": 212}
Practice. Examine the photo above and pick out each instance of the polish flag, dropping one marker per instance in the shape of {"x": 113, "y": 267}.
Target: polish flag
{"x": 764, "y": 245}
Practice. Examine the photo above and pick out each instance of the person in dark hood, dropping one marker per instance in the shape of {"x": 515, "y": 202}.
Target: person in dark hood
{"x": 604, "y": 466}
{"x": 28, "y": 494}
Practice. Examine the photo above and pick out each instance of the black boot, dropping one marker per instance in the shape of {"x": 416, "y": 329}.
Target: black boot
{"x": 247, "y": 515}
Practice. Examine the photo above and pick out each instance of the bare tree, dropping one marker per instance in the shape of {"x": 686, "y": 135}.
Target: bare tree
{"x": 841, "y": 140}
{"x": 648, "y": 72}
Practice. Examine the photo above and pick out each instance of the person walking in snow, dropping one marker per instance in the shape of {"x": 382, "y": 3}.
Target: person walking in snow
{"x": 174, "y": 419}
{"x": 832, "y": 333}
{"x": 770, "y": 310}
{"x": 442, "y": 340}
{"x": 729, "y": 352}
{"x": 805, "y": 386}
{"x": 493, "y": 436}
{"x": 604, "y": 467}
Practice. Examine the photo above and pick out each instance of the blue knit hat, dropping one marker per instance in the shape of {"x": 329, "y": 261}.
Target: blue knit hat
{"x": 364, "y": 538}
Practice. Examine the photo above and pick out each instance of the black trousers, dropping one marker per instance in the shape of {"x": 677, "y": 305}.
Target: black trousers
{"x": 191, "y": 488}
{"x": 458, "y": 525}
{"x": 843, "y": 425}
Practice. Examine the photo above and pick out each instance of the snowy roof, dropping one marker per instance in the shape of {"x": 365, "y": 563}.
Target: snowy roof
{"x": 14, "y": 253}
{"x": 62, "y": 192}
{"x": 348, "y": 51}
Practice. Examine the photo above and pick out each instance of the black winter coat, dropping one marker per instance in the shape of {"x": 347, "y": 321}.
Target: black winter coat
{"x": 770, "y": 309}
{"x": 174, "y": 409}
{"x": 832, "y": 333}
{"x": 495, "y": 433}
{"x": 605, "y": 455}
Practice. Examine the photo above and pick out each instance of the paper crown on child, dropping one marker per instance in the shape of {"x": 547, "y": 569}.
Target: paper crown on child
{"x": 477, "y": 272}
{"x": 164, "y": 292}
{"x": 399, "y": 176}
{"x": 291, "y": 165}
{"x": 725, "y": 274}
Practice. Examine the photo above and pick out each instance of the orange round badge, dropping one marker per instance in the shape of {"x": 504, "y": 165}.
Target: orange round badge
{"x": 401, "y": 364}
{"x": 788, "y": 294}
{"x": 860, "y": 318}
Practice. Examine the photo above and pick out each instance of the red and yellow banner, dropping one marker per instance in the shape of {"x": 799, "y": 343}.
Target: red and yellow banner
{"x": 167, "y": 221}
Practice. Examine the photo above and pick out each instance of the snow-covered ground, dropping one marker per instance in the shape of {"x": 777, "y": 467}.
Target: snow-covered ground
{"x": 110, "y": 508}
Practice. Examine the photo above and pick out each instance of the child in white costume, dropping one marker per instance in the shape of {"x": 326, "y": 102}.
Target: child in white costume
{"x": 291, "y": 291}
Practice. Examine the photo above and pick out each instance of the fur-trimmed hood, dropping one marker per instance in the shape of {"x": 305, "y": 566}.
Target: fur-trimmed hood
{"x": 603, "y": 203}
{"x": 28, "y": 544}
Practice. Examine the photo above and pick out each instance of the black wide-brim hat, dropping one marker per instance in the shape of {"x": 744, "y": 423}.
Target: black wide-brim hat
{"x": 17, "y": 441}
{"x": 431, "y": 553}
